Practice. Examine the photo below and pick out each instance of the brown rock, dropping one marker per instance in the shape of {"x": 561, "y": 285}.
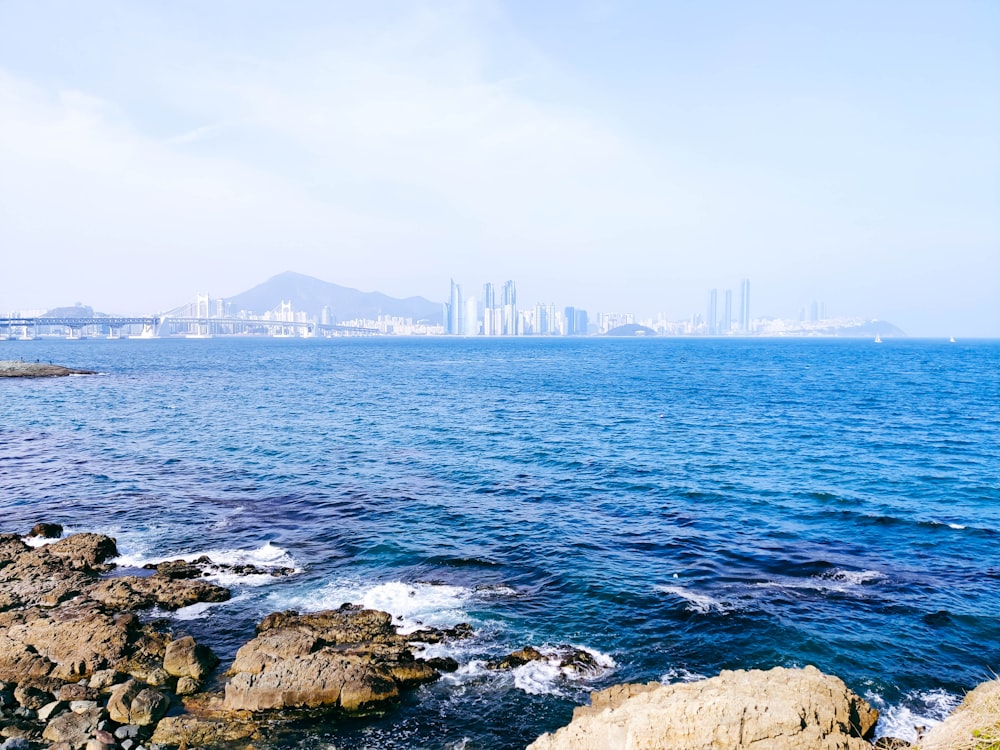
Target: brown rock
{"x": 120, "y": 700}
{"x": 781, "y": 709}
{"x": 517, "y": 658}
{"x": 136, "y": 593}
{"x": 73, "y": 729}
{"x": 193, "y": 731}
{"x": 35, "y": 693}
{"x": 84, "y": 551}
{"x": 185, "y": 658}
{"x": 148, "y": 707}
{"x": 350, "y": 658}
{"x": 78, "y": 692}
{"x": 46, "y": 530}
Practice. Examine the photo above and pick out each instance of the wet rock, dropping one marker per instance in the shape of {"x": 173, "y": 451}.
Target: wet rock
{"x": 185, "y": 658}
{"x": 566, "y": 657}
{"x": 443, "y": 663}
{"x": 179, "y": 569}
{"x": 516, "y": 659}
{"x": 15, "y": 743}
{"x": 781, "y": 709}
{"x": 439, "y": 635}
{"x": 46, "y": 530}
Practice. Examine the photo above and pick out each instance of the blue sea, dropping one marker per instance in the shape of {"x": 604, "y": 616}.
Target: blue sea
{"x": 676, "y": 507}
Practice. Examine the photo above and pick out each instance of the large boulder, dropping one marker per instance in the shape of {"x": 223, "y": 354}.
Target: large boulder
{"x": 974, "y": 724}
{"x": 780, "y": 709}
{"x": 185, "y": 658}
{"x": 351, "y": 659}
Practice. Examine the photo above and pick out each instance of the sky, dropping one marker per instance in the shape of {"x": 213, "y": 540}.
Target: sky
{"x": 615, "y": 156}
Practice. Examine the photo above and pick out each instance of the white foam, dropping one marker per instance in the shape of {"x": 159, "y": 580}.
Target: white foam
{"x": 838, "y": 581}
{"x": 956, "y": 526}
{"x": 695, "y": 602}
{"x": 268, "y": 557}
{"x": 412, "y": 605}
{"x": 548, "y": 677}
{"x": 679, "y": 674}
{"x": 917, "y": 711}
{"x": 194, "y": 612}
{"x": 37, "y": 541}
{"x": 853, "y": 577}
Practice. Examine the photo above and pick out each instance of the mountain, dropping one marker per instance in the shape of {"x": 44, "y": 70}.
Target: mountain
{"x": 311, "y": 295}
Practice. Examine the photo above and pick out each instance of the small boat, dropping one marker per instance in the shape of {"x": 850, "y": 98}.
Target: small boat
{"x": 951, "y": 339}
{"x": 878, "y": 339}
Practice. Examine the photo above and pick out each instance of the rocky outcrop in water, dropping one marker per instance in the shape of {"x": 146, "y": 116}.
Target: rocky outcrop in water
{"x": 351, "y": 659}
{"x": 780, "y": 709}
{"x": 12, "y": 368}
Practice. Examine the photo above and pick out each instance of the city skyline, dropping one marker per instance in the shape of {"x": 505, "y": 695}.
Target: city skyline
{"x": 622, "y": 155}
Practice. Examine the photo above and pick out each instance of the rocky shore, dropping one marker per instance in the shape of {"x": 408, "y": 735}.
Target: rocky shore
{"x": 81, "y": 670}
{"x": 15, "y": 368}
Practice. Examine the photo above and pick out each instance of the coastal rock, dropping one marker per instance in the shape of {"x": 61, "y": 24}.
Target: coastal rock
{"x": 46, "y": 531}
{"x": 134, "y": 703}
{"x": 72, "y": 728}
{"x": 10, "y": 368}
{"x": 185, "y": 658}
{"x": 974, "y": 724}
{"x": 74, "y": 640}
{"x": 568, "y": 658}
{"x": 192, "y": 731}
{"x": 780, "y": 709}
{"x": 350, "y": 658}
{"x": 84, "y": 551}
{"x": 133, "y": 592}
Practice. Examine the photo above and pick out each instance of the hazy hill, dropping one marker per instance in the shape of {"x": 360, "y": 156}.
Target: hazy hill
{"x": 311, "y": 295}
{"x": 74, "y": 311}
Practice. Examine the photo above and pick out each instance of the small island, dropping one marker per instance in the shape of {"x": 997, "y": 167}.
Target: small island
{"x": 15, "y": 368}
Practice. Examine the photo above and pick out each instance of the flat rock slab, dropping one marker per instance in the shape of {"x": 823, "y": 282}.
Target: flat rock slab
{"x": 11, "y": 368}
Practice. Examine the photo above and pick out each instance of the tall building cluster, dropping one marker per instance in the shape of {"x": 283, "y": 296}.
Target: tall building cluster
{"x": 716, "y": 325}
{"x": 498, "y": 314}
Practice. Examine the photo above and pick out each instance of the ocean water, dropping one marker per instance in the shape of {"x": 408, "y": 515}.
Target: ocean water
{"x": 677, "y": 507}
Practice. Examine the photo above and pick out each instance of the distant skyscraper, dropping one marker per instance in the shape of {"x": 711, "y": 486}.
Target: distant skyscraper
{"x": 570, "y": 313}
{"x": 491, "y": 312}
{"x": 744, "y": 317}
{"x": 470, "y": 323}
{"x": 455, "y": 322}
{"x": 509, "y": 311}
{"x": 713, "y": 312}
{"x": 581, "y": 323}
{"x": 727, "y": 315}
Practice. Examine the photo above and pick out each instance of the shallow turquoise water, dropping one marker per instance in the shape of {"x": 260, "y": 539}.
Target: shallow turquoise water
{"x": 677, "y": 506}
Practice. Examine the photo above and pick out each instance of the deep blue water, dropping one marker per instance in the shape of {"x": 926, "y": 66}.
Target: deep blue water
{"x": 677, "y": 506}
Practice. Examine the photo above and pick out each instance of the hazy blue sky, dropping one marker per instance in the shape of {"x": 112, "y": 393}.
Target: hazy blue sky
{"x": 611, "y": 155}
